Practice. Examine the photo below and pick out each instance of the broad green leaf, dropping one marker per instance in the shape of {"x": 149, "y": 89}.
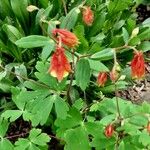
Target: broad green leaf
{"x": 125, "y": 35}
{"x": 80, "y": 33}
{"x": 19, "y": 9}
{"x": 33, "y": 41}
{"x": 105, "y": 54}
{"x": 6, "y": 144}
{"x": 70, "y": 20}
{"x": 61, "y": 107}
{"x": 111, "y": 88}
{"x": 145, "y": 46}
{"x": 146, "y": 23}
{"x": 98, "y": 24}
{"x": 122, "y": 146}
{"x": 21, "y": 70}
{"x": 3, "y": 127}
{"x": 119, "y": 24}
{"x": 135, "y": 41}
{"x": 12, "y": 114}
{"x": 145, "y": 35}
{"x": 82, "y": 73}
{"x": 22, "y": 144}
{"x": 103, "y": 143}
{"x": 44, "y": 76}
{"x": 144, "y": 138}
{"x": 5, "y": 9}
{"x": 39, "y": 114}
{"x": 77, "y": 139}
{"x": 12, "y": 32}
{"x": 38, "y": 138}
{"x": 47, "y": 50}
{"x": 73, "y": 119}
{"x": 98, "y": 66}
{"x": 98, "y": 38}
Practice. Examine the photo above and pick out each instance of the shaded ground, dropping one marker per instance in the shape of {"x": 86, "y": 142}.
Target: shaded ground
{"x": 140, "y": 90}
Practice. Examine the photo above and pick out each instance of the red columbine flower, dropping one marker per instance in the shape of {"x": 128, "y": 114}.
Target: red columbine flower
{"x": 68, "y": 38}
{"x": 138, "y": 66}
{"x": 60, "y": 66}
{"x": 102, "y": 78}
{"x": 88, "y": 16}
{"x": 148, "y": 127}
{"x": 109, "y": 130}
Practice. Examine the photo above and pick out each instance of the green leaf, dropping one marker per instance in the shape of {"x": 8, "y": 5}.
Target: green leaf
{"x": 61, "y": 107}
{"x": 145, "y": 46}
{"x": 19, "y": 9}
{"x": 22, "y": 144}
{"x": 82, "y": 73}
{"x": 98, "y": 24}
{"x": 146, "y": 23}
{"x": 119, "y": 24}
{"x": 73, "y": 119}
{"x": 76, "y": 139}
{"x": 47, "y": 50}
{"x": 33, "y": 41}
{"x": 105, "y": 54}
{"x": 70, "y": 20}
{"x": 145, "y": 35}
{"x": 111, "y": 88}
{"x": 12, "y": 114}
{"x": 6, "y": 145}
{"x": 44, "y": 76}
{"x": 134, "y": 41}
{"x": 125, "y": 35}
{"x": 38, "y": 138}
{"x": 98, "y": 66}
{"x": 21, "y": 71}
{"x": 98, "y": 38}
{"x": 12, "y": 32}
{"x": 5, "y": 9}
{"x": 39, "y": 114}
{"x": 3, "y": 127}
{"x": 144, "y": 138}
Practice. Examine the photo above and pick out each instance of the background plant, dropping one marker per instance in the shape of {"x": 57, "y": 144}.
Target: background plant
{"x": 75, "y": 112}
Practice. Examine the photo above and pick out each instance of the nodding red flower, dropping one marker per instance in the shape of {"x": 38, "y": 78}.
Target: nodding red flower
{"x": 138, "y": 66}
{"x": 67, "y": 38}
{"x": 102, "y": 78}
{"x": 109, "y": 130}
{"x": 60, "y": 66}
{"x": 88, "y": 16}
{"x": 148, "y": 127}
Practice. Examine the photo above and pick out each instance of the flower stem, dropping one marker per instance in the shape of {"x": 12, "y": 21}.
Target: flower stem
{"x": 64, "y": 5}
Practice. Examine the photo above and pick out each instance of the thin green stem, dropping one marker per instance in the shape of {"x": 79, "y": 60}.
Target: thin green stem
{"x": 64, "y": 5}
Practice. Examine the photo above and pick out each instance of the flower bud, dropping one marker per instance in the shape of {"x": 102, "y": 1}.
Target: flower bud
{"x": 138, "y": 66}
{"x": 67, "y": 38}
{"x": 114, "y": 74}
{"x": 109, "y": 130}
{"x": 135, "y": 32}
{"x": 102, "y": 78}
{"x": 88, "y": 16}
{"x": 148, "y": 127}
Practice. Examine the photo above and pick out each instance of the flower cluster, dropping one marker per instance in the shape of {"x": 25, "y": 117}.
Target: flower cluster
{"x": 60, "y": 66}
{"x": 137, "y": 70}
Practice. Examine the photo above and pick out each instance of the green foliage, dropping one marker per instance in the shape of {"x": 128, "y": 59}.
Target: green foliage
{"x": 75, "y": 111}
